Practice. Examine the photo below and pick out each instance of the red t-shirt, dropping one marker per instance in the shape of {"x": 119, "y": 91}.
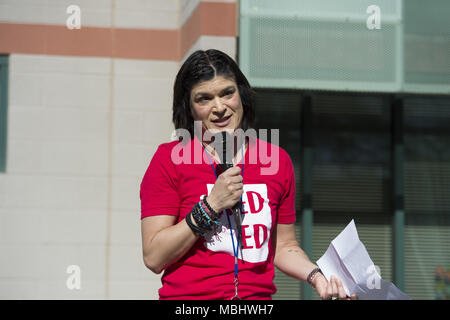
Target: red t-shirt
{"x": 177, "y": 178}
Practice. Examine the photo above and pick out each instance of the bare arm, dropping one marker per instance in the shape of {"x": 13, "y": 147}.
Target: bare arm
{"x": 293, "y": 261}
{"x": 164, "y": 242}
{"x": 289, "y": 257}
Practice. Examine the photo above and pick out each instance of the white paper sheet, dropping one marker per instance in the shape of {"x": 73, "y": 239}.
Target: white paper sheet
{"x": 348, "y": 259}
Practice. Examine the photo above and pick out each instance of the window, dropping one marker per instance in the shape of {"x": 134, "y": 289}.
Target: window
{"x": 351, "y": 172}
{"x": 357, "y": 173}
{"x": 427, "y": 201}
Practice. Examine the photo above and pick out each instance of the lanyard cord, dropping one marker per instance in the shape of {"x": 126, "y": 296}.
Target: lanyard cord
{"x": 235, "y": 248}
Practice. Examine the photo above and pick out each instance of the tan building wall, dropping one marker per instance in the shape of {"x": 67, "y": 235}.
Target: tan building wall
{"x": 87, "y": 110}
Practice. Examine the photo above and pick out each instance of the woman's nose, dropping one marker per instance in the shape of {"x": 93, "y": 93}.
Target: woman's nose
{"x": 218, "y": 105}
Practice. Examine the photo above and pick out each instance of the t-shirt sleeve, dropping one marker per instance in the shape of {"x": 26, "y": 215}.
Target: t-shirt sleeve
{"x": 158, "y": 190}
{"x": 286, "y": 209}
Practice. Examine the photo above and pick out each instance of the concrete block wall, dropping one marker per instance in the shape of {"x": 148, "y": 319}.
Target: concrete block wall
{"x": 81, "y": 132}
{"x": 53, "y": 213}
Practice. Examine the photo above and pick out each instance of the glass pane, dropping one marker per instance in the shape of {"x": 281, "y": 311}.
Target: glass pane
{"x": 427, "y": 201}
{"x": 281, "y": 110}
{"x": 351, "y": 173}
{"x": 427, "y": 42}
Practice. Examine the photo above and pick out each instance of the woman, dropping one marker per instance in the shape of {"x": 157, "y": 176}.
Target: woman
{"x": 188, "y": 229}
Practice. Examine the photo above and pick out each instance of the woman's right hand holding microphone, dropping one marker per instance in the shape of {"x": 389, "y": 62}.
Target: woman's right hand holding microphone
{"x": 227, "y": 190}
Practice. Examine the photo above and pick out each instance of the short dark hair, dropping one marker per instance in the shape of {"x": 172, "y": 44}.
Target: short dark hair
{"x": 202, "y": 66}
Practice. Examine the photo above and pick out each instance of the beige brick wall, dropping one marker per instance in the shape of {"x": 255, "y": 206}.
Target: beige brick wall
{"x": 81, "y": 133}
{"x": 54, "y": 209}
{"x": 148, "y": 14}
{"x": 94, "y": 13}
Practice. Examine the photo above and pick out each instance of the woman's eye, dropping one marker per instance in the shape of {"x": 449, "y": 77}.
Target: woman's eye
{"x": 229, "y": 93}
{"x": 202, "y": 99}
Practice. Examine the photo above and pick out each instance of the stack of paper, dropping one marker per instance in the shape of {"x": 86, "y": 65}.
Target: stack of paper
{"x": 347, "y": 259}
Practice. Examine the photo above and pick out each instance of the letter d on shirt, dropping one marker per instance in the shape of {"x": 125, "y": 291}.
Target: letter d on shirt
{"x": 258, "y": 222}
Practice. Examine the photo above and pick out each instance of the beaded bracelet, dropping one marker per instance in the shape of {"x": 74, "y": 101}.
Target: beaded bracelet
{"x": 205, "y": 218}
{"x": 205, "y": 215}
{"x": 210, "y": 220}
{"x": 214, "y": 213}
{"x": 207, "y": 212}
{"x": 200, "y": 219}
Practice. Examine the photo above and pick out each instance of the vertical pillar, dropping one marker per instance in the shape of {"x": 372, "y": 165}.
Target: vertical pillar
{"x": 398, "y": 191}
{"x": 307, "y": 211}
{"x": 3, "y": 110}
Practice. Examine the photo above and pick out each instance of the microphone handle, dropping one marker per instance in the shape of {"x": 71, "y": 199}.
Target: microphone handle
{"x": 236, "y": 210}
{"x": 226, "y": 166}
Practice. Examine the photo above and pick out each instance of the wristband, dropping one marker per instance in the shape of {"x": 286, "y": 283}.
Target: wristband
{"x": 198, "y": 231}
{"x": 207, "y": 214}
{"x": 312, "y": 275}
{"x": 213, "y": 212}
{"x": 200, "y": 219}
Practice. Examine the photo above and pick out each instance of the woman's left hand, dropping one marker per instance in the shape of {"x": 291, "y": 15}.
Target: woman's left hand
{"x": 331, "y": 290}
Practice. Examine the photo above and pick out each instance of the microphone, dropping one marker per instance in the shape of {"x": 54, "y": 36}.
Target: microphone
{"x": 227, "y": 163}
{"x": 226, "y": 155}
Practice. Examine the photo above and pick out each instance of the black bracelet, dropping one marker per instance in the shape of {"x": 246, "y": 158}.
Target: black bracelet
{"x": 198, "y": 231}
{"x": 312, "y": 275}
{"x": 200, "y": 219}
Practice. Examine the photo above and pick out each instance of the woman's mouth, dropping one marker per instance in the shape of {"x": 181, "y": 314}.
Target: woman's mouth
{"x": 223, "y": 122}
